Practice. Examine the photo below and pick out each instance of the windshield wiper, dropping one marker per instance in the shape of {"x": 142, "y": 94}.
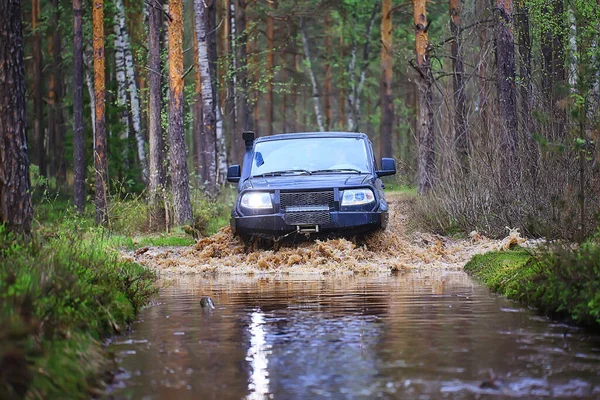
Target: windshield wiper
{"x": 338, "y": 170}
{"x": 283, "y": 172}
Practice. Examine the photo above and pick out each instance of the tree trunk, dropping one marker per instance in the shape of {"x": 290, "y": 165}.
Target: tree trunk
{"x": 461, "y": 134}
{"x": 178, "y": 156}
{"x": 387, "y": 60}
{"x": 425, "y": 128}
{"x": 156, "y": 157}
{"x": 204, "y": 11}
{"x": 236, "y": 149}
{"x": 59, "y": 129}
{"x": 243, "y": 110}
{"x": 270, "y": 57}
{"x": 553, "y": 67}
{"x": 342, "y": 96}
{"x": 39, "y": 134}
{"x": 89, "y": 81}
{"x": 78, "y": 142}
{"x": 132, "y": 89}
{"x": 121, "y": 100}
{"x": 197, "y": 131}
{"x": 507, "y": 93}
{"x": 313, "y": 80}
{"x": 100, "y": 162}
{"x": 327, "y": 95}
{"x": 526, "y": 86}
{"x": 16, "y": 210}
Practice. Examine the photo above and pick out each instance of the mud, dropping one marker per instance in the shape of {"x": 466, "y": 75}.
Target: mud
{"x": 383, "y": 252}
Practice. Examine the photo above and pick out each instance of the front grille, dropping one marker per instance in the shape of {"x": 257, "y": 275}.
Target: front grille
{"x": 300, "y": 199}
{"x": 308, "y": 218}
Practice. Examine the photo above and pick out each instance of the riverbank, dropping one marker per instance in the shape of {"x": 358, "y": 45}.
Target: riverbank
{"x": 60, "y": 295}
{"x": 560, "y": 282}
{"x": 398, "y": 248}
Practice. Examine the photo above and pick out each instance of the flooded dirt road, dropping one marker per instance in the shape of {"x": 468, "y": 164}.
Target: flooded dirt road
{"x": 427, "y": 334}
{"x": 390, "y": 316}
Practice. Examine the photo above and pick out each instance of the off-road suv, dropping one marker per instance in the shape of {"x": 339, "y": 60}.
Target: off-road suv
{"x": 309, "y": 183}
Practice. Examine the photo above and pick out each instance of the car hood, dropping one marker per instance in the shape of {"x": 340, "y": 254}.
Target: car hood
{"x": 317, "y": 181}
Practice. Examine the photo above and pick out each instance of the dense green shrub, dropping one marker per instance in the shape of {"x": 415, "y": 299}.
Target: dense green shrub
{"x": 560, "y": 282}
{"x": 59, "y": 295}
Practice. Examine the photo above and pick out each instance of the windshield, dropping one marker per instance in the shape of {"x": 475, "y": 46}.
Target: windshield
{"x": 310, "y": 155}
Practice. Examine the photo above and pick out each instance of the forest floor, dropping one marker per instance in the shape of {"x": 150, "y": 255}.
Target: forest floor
{"x": 398, "y": 248}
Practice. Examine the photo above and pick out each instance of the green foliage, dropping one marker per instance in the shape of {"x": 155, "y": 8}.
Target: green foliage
{"x": 58, "y": 296}
{"x": 560, "y": 282}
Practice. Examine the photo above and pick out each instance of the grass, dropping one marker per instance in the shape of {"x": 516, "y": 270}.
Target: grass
{"x": 59, "y": 295}
{"x": 559, "y": 281}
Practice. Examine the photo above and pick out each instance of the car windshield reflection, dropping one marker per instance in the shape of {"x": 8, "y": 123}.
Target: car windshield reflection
{"x": 309, "y": 156}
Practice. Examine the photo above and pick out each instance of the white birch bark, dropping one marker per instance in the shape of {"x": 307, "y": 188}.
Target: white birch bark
{"x": 234, "y": 62}
{"x": 352, "y": 91}
{"x": 121, "y": 80}
{"x": 87, "y": 60}
{"x": 315, "y": 87}
{"x": 208, "y": 107}
{"x": 221, "y": 149}
{"x": 132, "y": 89}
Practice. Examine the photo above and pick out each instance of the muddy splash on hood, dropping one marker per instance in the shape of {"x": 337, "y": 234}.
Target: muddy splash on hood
{"x": 381, "y": 252}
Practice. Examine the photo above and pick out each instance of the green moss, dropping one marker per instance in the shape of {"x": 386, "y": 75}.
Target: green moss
{"x": 560, "y": 282}
{"x": 60, "y": 294}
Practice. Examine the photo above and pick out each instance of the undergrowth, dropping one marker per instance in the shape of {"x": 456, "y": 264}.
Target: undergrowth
{"x": 559, "y": 281}
{"x": 59, "y": 295}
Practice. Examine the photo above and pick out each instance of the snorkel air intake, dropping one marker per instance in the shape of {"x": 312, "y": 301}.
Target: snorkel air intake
{"x": 248, "y": 137}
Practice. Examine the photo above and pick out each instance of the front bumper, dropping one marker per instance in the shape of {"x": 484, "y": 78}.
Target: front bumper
{"x": 343, "y": 223}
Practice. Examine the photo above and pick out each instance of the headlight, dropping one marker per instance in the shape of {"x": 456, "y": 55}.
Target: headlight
{"x": 357, "y": 197}
{"x": 256, "y": 200}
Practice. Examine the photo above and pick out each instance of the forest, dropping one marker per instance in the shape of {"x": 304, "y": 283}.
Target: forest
{"x": 119, "y": 119}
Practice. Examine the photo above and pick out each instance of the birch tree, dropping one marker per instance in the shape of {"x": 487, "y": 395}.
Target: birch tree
{"x": 132, "y": 89}
{"x": 39, "y": 131}
{"x": 209, "y": 118}
{"x": 313, "y": 79}
{"x": 16, "y": 210}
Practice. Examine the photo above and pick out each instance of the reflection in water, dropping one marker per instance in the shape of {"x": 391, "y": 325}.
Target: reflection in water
{"x": 429, "y": 335}
{"x": 257, "y": 357}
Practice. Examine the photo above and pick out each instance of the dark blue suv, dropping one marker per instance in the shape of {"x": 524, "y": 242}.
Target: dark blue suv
{"x": 309, "y": 183}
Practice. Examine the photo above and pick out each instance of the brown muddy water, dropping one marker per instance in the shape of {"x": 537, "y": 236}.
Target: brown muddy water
{"x": 417, "y": 334}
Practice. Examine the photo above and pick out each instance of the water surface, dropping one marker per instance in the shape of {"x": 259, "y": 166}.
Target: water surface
{"x": 429, "y": 334}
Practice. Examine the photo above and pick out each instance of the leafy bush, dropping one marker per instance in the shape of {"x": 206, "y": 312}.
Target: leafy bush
{"x": 561, "y": 282}
{"x": 58, "y": 297}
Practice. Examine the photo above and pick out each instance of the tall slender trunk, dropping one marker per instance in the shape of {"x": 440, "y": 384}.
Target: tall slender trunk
{"x": 327, "y": 94}
{"x": 89, "y": 82}
{"x": 16, "y": 210}
{"x": 57, "y": 131}
{"x": 425, "y": 128}
{"x": 178, "y": 156}
{"x": 313, "y": 79}
{"x": 507, "y": 93}
{"x": 235, "y": 139}
{"x": 284, "y": 102}
{"x": 461, "y": 133}
{"x": 270, "y": 57}
{"x": 342, "y": 96}
{"x": 100, "y": 162}
{"x": 526, "y": 87}
{"x": 553, "y": 67}
{"x": 78, "y": 142}
{"x": 203, "y": 12}
{"x": 51, "y": 122}
{"x": 243, "y": 110}
{"x": 197, "y": 131}
{"x": 132, "y": 88}
{"x": 122, "y": 100}
{"x": 39, "y": 134}
{"x": 156, "y": 156}
{"x": 387, "y": 60}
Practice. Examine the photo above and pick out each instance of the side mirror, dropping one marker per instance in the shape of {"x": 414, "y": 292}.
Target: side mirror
{"x": 234, "y": 173}
{"x": 388, "y": 167}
